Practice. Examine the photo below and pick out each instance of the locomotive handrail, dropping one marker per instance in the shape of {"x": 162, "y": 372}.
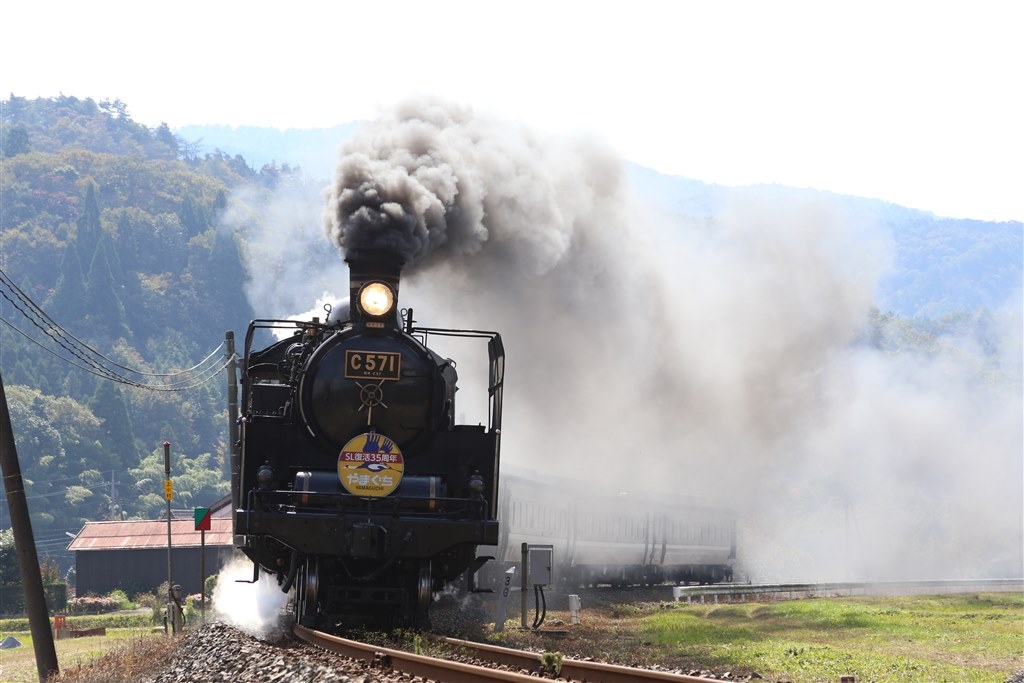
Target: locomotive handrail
{"x": 455, "y": 332}
{"x": 276, "y": 323}
{"x": 496, "y": 353}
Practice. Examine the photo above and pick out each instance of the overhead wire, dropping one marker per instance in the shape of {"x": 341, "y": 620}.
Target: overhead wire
{"x": 193, "y": 377}
{"x": 54, "y": 325}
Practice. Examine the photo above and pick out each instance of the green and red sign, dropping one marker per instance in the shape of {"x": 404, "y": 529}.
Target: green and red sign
{"x": 202, "y": 519}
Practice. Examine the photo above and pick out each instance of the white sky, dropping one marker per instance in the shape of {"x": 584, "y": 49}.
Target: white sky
{"x": 919, "y": 103}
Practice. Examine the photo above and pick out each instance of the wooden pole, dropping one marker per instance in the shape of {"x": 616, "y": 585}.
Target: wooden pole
{"x": 25, "y": 547}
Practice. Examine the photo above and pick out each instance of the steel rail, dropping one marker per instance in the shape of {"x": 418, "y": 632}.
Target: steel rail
{"x": 460, "y": 672}
{"x": 572, "y": 669}
{"x": 408, "y": 662}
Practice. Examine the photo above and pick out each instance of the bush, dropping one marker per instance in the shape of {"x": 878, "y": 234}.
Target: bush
{"x": 91, "y": 604}
{"x": 145, "y": 599}
{"x": 210, "y": 585}
{"x": 122, "y": 599}
{"x": 21, "y": 625}
{"x": 155, "y": 605}
{"x": 193, "y": 603}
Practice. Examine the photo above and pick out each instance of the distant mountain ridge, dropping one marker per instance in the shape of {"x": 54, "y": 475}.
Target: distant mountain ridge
{"x": 314, "y": 150}
{"x": 943, "y": 266}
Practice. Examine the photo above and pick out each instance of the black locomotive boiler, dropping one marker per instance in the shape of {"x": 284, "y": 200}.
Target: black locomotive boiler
{"x": 352, "y": 483}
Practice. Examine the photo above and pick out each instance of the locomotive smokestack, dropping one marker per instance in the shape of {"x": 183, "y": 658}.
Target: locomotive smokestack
{"x": 367, "y": 265}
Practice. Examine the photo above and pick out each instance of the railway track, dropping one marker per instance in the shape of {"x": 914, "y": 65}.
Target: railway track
{"x": 470, "y": 661}
{"x": 473, "y": 662}
{"x": 218, "y": 651}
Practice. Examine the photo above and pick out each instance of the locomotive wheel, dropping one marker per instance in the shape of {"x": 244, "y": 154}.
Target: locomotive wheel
{"x": 424, "y": 594}
{"x": 307, "y": 592}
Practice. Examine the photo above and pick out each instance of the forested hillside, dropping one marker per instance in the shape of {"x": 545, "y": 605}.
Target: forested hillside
{"x": 109, "y": 227}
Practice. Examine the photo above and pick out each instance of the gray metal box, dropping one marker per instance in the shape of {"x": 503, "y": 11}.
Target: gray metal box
{"x": 540, "y": 566}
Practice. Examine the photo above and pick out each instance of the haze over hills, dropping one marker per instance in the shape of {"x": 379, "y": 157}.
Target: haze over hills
{"x": 941, "y": 266}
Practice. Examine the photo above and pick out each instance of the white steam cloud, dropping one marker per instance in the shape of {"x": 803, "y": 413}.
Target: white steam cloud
{"x": 255, "y": 608}
{"x": 288, "y": 266}
{"x": 730, "y": 357}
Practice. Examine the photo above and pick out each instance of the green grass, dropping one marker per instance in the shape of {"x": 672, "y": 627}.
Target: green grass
{"x": 19, "y": 665}
{"x": 926, "y": 639}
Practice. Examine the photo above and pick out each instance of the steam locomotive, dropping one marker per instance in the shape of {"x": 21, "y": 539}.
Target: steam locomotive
{"x": 351, "y": 481}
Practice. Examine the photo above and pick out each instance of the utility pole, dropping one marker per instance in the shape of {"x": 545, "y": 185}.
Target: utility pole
{"x": 25, "y": 547}
{"x": 169, "y": 495}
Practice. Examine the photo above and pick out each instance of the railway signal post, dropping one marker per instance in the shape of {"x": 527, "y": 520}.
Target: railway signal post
{"x": 203, "y": 523}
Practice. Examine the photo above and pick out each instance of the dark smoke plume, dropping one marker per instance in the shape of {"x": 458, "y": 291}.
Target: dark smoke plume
{"x": 729, "y": 357}
{"x": 437, "y": 182}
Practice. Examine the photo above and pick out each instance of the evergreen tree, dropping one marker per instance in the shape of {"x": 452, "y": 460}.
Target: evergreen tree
{"x": 106, "y": 314}
{"x": 192, "y": 217}
{"x": 125, "y": 270}
{"x": 163, "y": 134}
{"x": 67, "y": 302}
{"x": 16, "y": 142}
{"x": 226, "y": 280}
{"x": 108, "y": 404}
{"x": 221, "y": 202}
{"x": 89, "y": 220}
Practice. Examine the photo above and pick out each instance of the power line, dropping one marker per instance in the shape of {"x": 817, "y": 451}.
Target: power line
{"x": 29, "y": 302}
{"x": 76, "y": 477}
{"x": 191, "y": 378}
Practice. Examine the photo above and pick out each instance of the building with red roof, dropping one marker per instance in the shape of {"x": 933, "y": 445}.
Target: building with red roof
{"x": 132, "y": 555}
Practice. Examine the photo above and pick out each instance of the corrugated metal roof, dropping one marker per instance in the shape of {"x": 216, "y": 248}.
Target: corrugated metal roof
{"x": 149, "y": 534}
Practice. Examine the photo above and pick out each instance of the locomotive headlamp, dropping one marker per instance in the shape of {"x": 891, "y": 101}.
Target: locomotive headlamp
{"x": 376, "y": 298}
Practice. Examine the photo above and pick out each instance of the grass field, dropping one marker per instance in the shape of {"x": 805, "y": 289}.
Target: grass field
{"x": 19, "y": 665}
{"x": 946, "y": 638}
{"x": 895, "y": 639}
